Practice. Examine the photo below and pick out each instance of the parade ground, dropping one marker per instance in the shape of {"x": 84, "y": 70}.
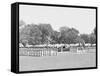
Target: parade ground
{"x": 62, "y": 60}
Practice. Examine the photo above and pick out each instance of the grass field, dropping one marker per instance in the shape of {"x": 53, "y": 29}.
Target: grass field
{"x": 61, "y": 61}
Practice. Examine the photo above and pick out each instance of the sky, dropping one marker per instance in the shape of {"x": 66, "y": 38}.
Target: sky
{"x": 82, "y": 19}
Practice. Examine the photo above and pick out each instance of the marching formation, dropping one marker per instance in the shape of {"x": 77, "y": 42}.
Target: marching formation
{"x": 52, "y": 50}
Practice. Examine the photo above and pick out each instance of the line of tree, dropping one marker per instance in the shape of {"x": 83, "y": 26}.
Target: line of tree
{"x": 33, "y": 34}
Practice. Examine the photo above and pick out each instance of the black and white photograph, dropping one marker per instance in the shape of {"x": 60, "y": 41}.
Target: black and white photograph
{"x": 53, "y": 37}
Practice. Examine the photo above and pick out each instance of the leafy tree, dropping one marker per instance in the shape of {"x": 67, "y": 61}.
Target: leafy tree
{"x": 30, "y": 34}
{"x": 47, "y": 32}
{"x": 80, "y": 41}
{"x": 92, "y": 38}
{"x": 55, "y": 37}
{"x": 85, "y": 37}
{"x": 68, "y": 35}
{"x": 24, "y": 35}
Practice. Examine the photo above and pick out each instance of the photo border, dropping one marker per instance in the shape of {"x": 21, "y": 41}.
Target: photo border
{"x": 15, "y": 36}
